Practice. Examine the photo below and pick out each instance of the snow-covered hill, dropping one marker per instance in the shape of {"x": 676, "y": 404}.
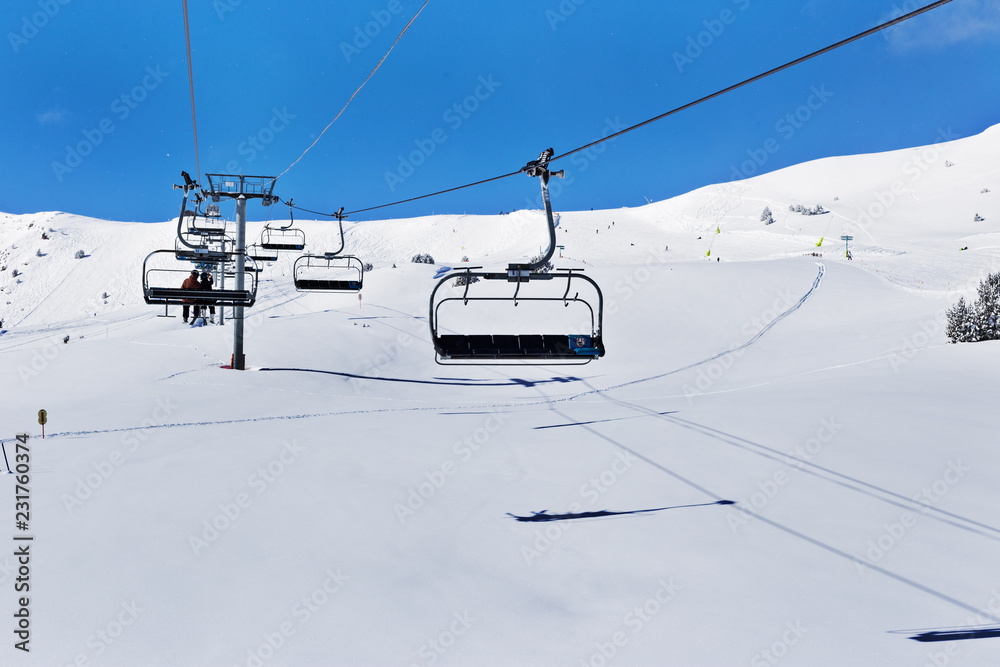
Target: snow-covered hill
{"x": 345, "y": 501}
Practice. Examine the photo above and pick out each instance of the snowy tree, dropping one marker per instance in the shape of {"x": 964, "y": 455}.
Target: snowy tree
{"x": 766, "y": 217}
{"x": 987, "y": 315}
{"x": 960, "y": 327}
{"x": 422, "y": 259}
{"x": 970, "y": 323}
{"x": 80, "y": 254}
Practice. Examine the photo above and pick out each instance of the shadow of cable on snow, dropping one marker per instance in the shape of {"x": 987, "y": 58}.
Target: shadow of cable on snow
{"x": 463, "y": 382}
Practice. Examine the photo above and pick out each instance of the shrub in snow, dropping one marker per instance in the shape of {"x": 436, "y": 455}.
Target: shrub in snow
{"x": 465, "y": 279}
{"x": 369, "y": 266}
{"x": 978, "y": 218}
{"x": 544, "y": 268}
{"x": 422, "y": 259}
{"x": 15, "y": 273}
{"x": 38, "y": 253}
{"x": 949, "y": 163}
{"x": 970, "y": 323}
{"x": 80, "y": 254}
{"x": 799, "y": 208}
{"x": 766, "y": 217}
{"x": 984, "y": 191}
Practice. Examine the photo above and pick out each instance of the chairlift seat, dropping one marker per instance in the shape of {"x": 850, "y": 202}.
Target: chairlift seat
{"x": 328, "y": 285}
{"x": 281, "y": 244}
{"x": 525, "y": 347}
{"x": 176, "y": 295}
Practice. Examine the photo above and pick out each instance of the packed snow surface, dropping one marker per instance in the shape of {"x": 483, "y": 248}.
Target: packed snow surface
{"x": 345, "y": 500}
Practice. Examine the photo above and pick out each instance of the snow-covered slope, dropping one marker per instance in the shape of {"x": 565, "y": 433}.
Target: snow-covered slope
{"x": 345, "y": 501}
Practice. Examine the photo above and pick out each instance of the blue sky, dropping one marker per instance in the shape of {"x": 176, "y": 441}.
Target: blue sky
{"x": 96, "y": 118}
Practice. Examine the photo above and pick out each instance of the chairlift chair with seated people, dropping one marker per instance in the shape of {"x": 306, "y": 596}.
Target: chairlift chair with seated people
{"x": 580, "y": 339}
{"x": 161, "y": 280}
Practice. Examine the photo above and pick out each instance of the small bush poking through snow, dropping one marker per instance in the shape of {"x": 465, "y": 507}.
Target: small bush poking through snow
{"x": 799, "y": 208}
{"x": 544, "y": 268}
{"x": 80, "y": 254}
{"x": 422, "y": 259}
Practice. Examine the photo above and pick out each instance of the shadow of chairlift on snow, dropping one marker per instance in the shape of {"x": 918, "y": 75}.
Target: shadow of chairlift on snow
{"x": 545, "y": 516}
{"x": 954, "y": 634}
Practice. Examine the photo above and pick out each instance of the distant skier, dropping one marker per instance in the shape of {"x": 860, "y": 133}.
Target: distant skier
{"x": 206, "y": 283}
{"x": 191, "y": 283}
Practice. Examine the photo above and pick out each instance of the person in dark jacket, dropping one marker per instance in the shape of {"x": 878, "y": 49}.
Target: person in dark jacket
{"x": 191, "y": 282}
{"x": 206, "y": 283}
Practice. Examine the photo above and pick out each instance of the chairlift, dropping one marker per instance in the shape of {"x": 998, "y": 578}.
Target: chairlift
{"x": 209, "y": 223}
{"x": 331, "y": 271}
{"x": 328, "y": 272}
{"x": 210, "y": 249}
{"x": 161, "y": 280}
{"x": 283, "y": 238}
{"x": 579, "y": 340}
{"x": 260, "y": 254}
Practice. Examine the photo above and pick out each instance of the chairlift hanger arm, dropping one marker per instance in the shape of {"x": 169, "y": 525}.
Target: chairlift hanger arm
{"x": 540, "y": 168}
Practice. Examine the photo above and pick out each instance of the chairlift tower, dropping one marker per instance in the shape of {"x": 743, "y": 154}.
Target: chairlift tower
{"x": 240, "y": 188}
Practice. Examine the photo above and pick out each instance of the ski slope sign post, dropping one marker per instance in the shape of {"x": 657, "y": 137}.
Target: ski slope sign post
{"x": 43, "y": 417}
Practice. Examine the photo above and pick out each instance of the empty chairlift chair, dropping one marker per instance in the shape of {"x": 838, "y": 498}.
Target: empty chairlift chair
{"x": 328, "y": 273}
{"x": 545, "y": 323}
{"x": 260, "y": 254}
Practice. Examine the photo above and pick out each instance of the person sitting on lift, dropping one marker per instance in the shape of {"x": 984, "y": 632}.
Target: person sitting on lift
{"x": 206, "y": 283}
{"x": 191, "y": 283}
